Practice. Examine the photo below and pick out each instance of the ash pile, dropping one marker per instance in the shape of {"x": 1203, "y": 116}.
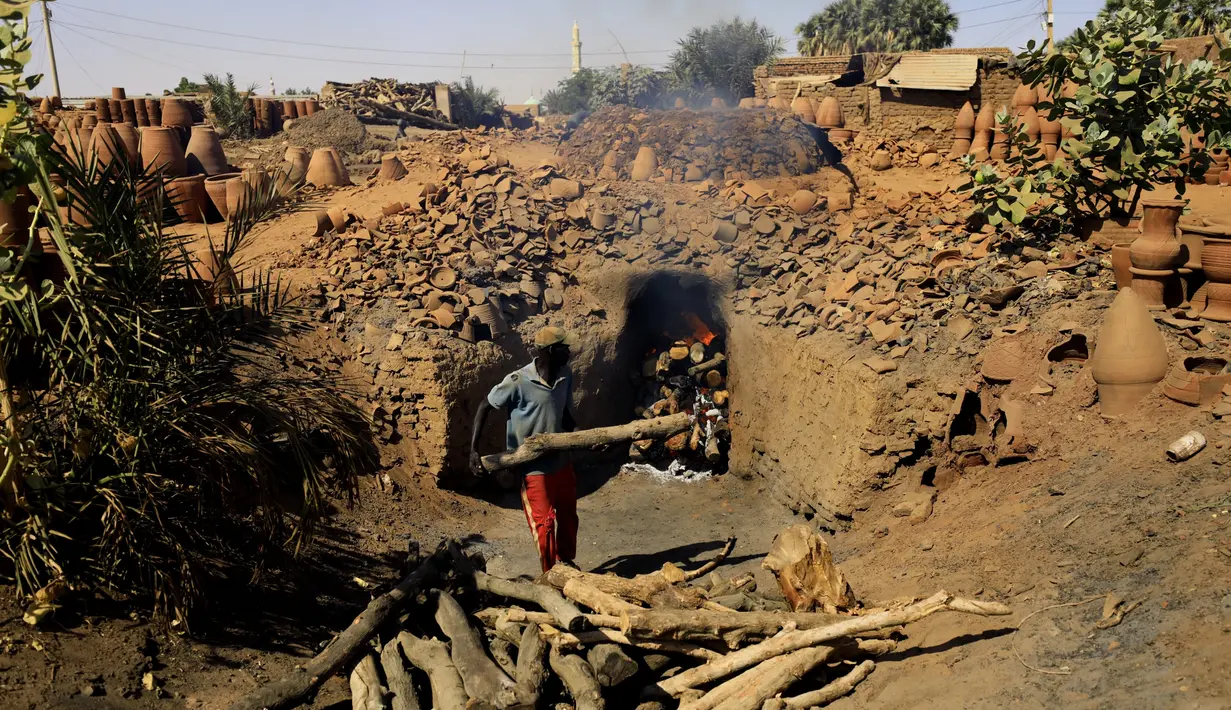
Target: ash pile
{"x": 621, "y": 142}
{"x": 686, "y": 371}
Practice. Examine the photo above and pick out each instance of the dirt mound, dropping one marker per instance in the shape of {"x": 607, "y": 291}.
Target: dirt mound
{"x": 693, "y": 145}
{"x": 332, "y": 127}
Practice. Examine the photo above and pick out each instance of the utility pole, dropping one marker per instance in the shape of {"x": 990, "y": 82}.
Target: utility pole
{"x": 1051, "y": 29}
{"x": 51, "y": 51}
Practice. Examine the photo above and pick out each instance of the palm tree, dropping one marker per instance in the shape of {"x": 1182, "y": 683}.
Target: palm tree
{"x": 854, "y": 26}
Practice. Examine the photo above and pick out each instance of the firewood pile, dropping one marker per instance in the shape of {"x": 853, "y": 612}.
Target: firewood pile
{"x": 451, "y": 636}
{"x": 386, "y": 101}
{"x": 690, "y": 146}
{"x": 687, "y": 372}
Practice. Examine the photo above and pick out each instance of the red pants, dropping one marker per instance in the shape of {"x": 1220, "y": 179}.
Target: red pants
{"x": 550, "y": 503}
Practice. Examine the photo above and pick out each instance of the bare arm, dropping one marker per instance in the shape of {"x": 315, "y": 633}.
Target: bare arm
{"x": 476, "y": 433}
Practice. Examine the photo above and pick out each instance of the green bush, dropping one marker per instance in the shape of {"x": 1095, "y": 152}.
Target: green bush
{"x": 232, "y": 116}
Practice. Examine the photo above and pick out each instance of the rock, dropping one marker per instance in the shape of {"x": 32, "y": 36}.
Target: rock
{"x": 881, "y": 365}
{"x": 928, "y": 160}
{"x": 926, "y": 545}
{"x": 923, "y": 507}
{"x": 903, "y": 510}
{"x": 765, "y": 224}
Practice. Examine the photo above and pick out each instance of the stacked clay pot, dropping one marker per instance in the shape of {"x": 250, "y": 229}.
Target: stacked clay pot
{"x": 177, "y": 114}
{"x": 153, "y": 107}
{"x": 323, "y": 170}
{"x": 1157, "y": 252}
{"x": 161, "y": 151}
{"x": 981, "y": 146}
{"x": 102, "y": 110}
{"x": 963, "y": 131}
{"x": 106, "y": 145}
{"x": 1131, "y": 355}
{"x": 204, "y": 152}
{"x": 1216, "y": 263}
{"x": 1049, "y": 131}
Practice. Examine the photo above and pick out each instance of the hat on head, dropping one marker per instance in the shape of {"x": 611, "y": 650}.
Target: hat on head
{"x": 551, "y": 335}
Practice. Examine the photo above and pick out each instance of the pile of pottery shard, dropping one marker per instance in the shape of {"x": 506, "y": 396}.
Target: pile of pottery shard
{"x": 622, "y": 142}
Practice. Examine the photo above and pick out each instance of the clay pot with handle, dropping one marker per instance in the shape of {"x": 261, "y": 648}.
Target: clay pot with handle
{"x": 1130, "y": 357}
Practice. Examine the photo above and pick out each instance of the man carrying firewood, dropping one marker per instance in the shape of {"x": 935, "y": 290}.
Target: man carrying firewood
{"x": 537, "y": 398}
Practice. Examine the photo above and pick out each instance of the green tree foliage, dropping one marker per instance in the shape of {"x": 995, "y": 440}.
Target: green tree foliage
{"x": 1187, "y": 18}
{"x": 719, "y": 59}
{"x": 855, "y": 26}
{"x": 187, "y": 87}
{"x": 232, "y": 116}
{"x": 154, "y": 434}
{"x": 1130, "y": 110}
{"x": 592, "y": 89}
{"x": 475, "y": 104}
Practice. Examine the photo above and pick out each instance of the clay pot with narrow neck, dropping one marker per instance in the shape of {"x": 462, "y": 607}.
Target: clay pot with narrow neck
{"x": 964, "y": 124}
{"x": 1121, "y": 264}
{"x": 323, "y": 169}
{"x": 829, "y": 115}
{"x": 161, "y": 150}
{"x": 1025, "y": 97}
{"x": 1158, "y": 247}
{"x": 204, "y": 152}
{"x": 188, "y": 197}
{"x": 1130, "y": 357}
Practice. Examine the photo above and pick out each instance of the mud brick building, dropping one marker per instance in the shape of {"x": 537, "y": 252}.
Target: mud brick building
{"x": 913, "y": 96}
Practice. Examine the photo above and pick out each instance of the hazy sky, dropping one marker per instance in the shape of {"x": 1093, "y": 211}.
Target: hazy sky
{"x": 518, "y": 46}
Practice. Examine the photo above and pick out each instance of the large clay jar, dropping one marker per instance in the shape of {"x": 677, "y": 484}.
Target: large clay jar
{"x": 1028, "y": 119}
{"x": 1131, "y": 355}
{"x": 803, "y": 108}
{"x": 301, "y": 108}
{"x": 341, "y": 164}
{"x": 161, "y": 150}
{"x": 188, "y": 197}
{"x": 178, "y": 115}
{"x": 1025, "y": 97}
{"x": 117, "y": 111}
{"x": 986, "y": 119}
{"x": 15, "y": 219}
{"x": 204, "y": 152}
{"x": 289, "y": 110}
{"x": 313, "y": 106}
{"x": 1216, "y": 262}
{"x": 780, "y": 103}
{"x": 128, "y": 108}
{"x": 117, "y": 93}
{"x": 981, "y": 146}
{"x": 881, "y": 160}
{"x": 1158, "y": 247}
{"x": 216, "y": 188}
{"x": 964, "y": 125}
{"x": 1000, "y": 144}
{"x": 323, "y": 170}
{"x": 298, "y": 159}
{"x": 105, "y": 144}
{"x": 239, "y": 191}
{"x": 645, "y": 165}
{"x": 153, "y": 107}
{"x": 132, "y": 142}
{"x": 391, "y": 168}
{"x": 830, "y": 113}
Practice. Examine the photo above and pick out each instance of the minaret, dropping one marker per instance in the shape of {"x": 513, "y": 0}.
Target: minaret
{"x": 576, "y": 47}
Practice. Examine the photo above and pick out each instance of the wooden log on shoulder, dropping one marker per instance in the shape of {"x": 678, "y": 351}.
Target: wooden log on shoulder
{"x": 366, "y": 690}
{"x": 793, "y": 641}
{"x": 402, "y": 694}
{"x": 734, "y": 628}
{"x": 295, "y": 688}
{"x": 540, "y": 444}
{"x": 531, "y": 666}
{"x": 483, "y": 679}
{"x": 432, "y": 657}
{"x": 578, "y": 678}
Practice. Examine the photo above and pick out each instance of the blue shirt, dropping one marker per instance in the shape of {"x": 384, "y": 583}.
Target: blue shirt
{"x": 534, "y": 407}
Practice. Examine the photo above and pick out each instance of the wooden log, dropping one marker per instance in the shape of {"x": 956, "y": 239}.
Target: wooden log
{"x": 832, "y": 691}
{"x": 531, "y": 666}
{"x": 493, "y": 615}
{"x": 413, "y": 119}
{"x": 795, "y": 640}
{"x": 402, "y": 694}
{"x": 727, "y": 548}
{"x": 596, "y": 599}
{"x": 578, "y": 678}
{"x": 502, "y": 653}
{"x": 432, "y": 657}
{"x": 707, "y": 365}
{"x": 567, "y": 640}
{"x": 734, "y": 628}
{"x": 803, "y": 565}
{"x": 540, "y": 444}
{"x": 612, "y": 666}
{"x": 483, "y": 679}
{"x": 295, "y": 688}
{"x": 745, "y": 689}
{"x": 648, "y": 589}
{"x": 366, "y": 690}
{"x": 566, "y": 614}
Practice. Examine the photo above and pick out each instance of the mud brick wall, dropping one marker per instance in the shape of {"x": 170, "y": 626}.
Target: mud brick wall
{"x": 996, "y": 86}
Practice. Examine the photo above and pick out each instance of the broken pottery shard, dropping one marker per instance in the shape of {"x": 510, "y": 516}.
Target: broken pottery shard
{"x": 881, "y": 365}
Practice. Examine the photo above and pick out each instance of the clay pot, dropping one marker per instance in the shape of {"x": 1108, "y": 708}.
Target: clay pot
{"x": 106, "y": 146}
{"x": 443, "y": 278}
{"x": 780, "y": 103}
{"x": 88, "y": 121}
{"x": 803, "y": 201}
{"x": 1025, "y": 97}
{"x": 239, "y": 189}
{"x": 301, "y": 108}
{"x": 117, "y": 111}
{"x": 1158, "y": 246}
{"x": 1130, "y": 357}
{"x": 391, "y": 168}
{"x": 297, "y": 158}
{"x": 177, "y": 114}
{"x": 153, "y": 107}
{"x": 1154, "y": 286}
{"x": 882, "y": 160}
{"x": 829, "y": 115}
{"x": 489, "y": 315}
{"x": 718, "y": 102}
{"x": 986, "y": 119}
{"x": 161, "y": 150}
{"x": 964, "y": 125}
{"x": 15, "y": 218}
{"x": 1000, "y": 145}
{"x": 841, "y": 135}
{"x": 216, "y": 188}
{"x": 1004, "y": 360}
{"x": 1197, "y": 380}
{"x": 102, "y": 110}
{"x": 747, "y": 103}
{"x": 1028, "y": 119}
{"x": 1191, "y": 236}
{"x": 313, "y": 106}
{"x": 1120, "y": 264}
{"x": 1216, "y": 262}
{"x": 117, "y": 93}
{"x": 339, "y": 163}
{"x": 204, "y": 153}
{"x": 1109, "y": 232}
{"x": 645, "y": 165}
{"x": 323, "y": 169}
{"x": 132, "y": 142}
{"x": 44, "y": 106}
{"x": 802, "y": 107}
{"x": 188, "y": 197}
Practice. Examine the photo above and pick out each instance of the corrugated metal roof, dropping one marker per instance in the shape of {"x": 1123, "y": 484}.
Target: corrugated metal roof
{"x": 953, "y": 72}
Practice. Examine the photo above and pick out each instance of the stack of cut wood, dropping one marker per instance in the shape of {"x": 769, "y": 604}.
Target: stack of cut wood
{"x": 687, "y": 372}
{"x": 386, "y": 101}
{"x": 652, "y": 641}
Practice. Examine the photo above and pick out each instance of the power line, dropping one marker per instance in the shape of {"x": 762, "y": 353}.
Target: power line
{"x": 363, "y": 49}
{"x": 997, "y": 22}
{"x": 74, "y": 58}
{"x": 364, "y": 62}
{"x": 124, "y": 49}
